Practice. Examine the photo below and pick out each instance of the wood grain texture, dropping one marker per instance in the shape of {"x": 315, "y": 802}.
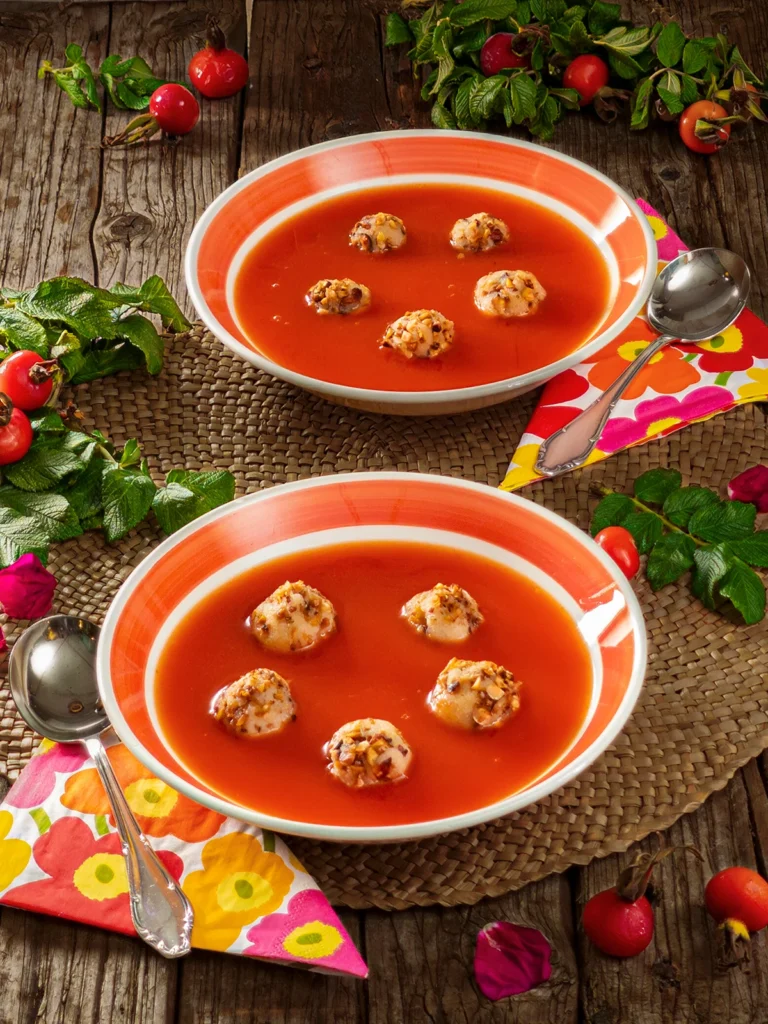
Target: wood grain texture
{"x": 237, "y": 990}
{"x": 421, "y": 961}
{"x": 49, "y": 151}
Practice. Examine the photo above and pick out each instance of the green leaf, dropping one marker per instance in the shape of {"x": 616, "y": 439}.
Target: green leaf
{"x": 483, "y": 99}
{"x": 426, "y": 89}
{"x": 689, "y": 90}
{"x": 681, "y": 504}
{"x": 670, "y": 44}
{"x": 461, "y": 102}
{"x": 578, "y": 37}
{"x": 569, "y": 97}
{"x": 575, "y": 13}
{"x": 628, "y": 41}
{"x": 611, "y": 511}
{"x": 671, "y": 101}
{"x": 470, "y": 40}
{"x": 603, "y": 17}
{"x": 143, "y": 336}
{"x": 127, "y": 496}
{"x": 736, "y": 60}
{"x": 72, "y": 88}
{"x": 81, "y": 306}
{"x": 695, "y": 57}
{"x": 472, "y": 11}
{"x": 523, "y": 93}
{"x": 655, "y": 486}
{"x": 753, "y": 549}
{"x": 670, "y": 80}
{"x": 397, "y": 30}
{"x": 670, "y": 557}
{"x": 46, "y": 421}
{"x": 711, "y": 564}
{"x": 726, "y": 520}
{"x": 189, "y": 495}
{"x": 85, "y": 494}
{"x": 51, "y": 459}
{"x": 131, "y": 454}
{"x": 34, "y": 520}
{"x": 641, "y": 104}
{"x": 744, "y": 589}
{"x": 65, "y": 342}
{"x": 10, "y": 551}
{"x": 539, "y": 10}
{"x": 624, "y": 66}
{"x": 153, "y": 296}
{"x": 102, "y": 363}
{"x": 646, "y": 528}
{"x": 23, "y": 332}
{"x": 441, "y": 117}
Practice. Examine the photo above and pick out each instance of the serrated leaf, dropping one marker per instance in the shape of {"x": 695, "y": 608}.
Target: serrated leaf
{"x": 736, "y": 60}
{"x": 396, "y": 30}
{"x": 646, "y": 528}
{"x": 46, "y": 421}
{"x": 426, "y": 89}
{"x": 539, "y": 10}
{"x": 523, "y": 12}
{"x": 51, "y": 459}
{"x": 23, "y": 332}
{"x": 689, "y": 90}
{"x": 523, "y": 93}
{"x": 483, "y": 98}
{"x": 153, "y": 296}
{"x": 725, "y": 520}
{"x": 681, "y": 504}
{"x": 442, "y": 117}
{"x": 744, "y": 589}
{"x": 570, "y": 97}
{"x": 131, "y": 454}
{"x": 641, "y": 104}
{"x": 84, "y": 495}
{"x": 72, "y": 88}
{"x": 623, "y": 65}
{"x": 102, "y": 362}
{"x": 143, "y": 336}
{"x": 670, "y": 557}
{"x": 695, "y": 57}
{"x": 578, "y": 37}
{"x": 603, "y": 17}
{"x": 671, "y": 100}
{"x": 627, "y": 41}
{"x": 470, "y": 40}
{"x": 711, "y": 564}
{"x": 611, "y": 510}
{"x": 11, "y": 551}
{"x": 575, "y": 13}
{"x": 65, "y": 342}
{"x": 472, "y": 11}
{"x": 127, "y": 496}
{"x": 753, "y": 549}
{"x": 34, "y": 520}
{"x": 81, "y": 306}
{"x": 670, "y": 44}
{"x": 655, "y": 486}
{"x": 189, "y": 495}
{"x": 670, "y": 80}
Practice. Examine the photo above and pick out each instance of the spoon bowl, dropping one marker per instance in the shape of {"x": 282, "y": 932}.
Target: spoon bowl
{"x": 53, "y": 679}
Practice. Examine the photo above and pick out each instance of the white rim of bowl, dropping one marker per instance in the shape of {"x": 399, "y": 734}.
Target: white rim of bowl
{"x": 373, "y": 833}
{"x": 353, "y": 394}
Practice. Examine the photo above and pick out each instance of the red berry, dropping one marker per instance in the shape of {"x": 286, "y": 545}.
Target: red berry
{"x": 619, "y": 544}
{"x": 687, "y": 126}
{"x": 738, "y": 894}
{"x": 587, "y": 74}
{"x": 174, "y": 108}
{"x": 616, "y": 926}
{"x": 218, "y": 71}
{"x": 15, "y": 438}
{"x": 497, "y": 54}
{"x": 18, "y": 381}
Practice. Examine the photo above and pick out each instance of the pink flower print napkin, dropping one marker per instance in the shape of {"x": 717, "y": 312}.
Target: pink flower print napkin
{"x": 60, "y": 854}
{"x": 682, "y": 384}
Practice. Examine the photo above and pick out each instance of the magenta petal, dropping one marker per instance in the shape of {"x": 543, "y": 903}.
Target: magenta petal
{"x": 510, "y": 959}
{"x": 751, "y": 486}
{"x": 3, "y": 641}
{"x": 26, "y": 588}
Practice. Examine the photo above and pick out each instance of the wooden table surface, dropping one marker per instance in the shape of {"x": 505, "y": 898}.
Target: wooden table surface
{"x": 319, "y": 70}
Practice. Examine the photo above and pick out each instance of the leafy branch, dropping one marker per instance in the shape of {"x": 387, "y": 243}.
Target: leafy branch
{"x": 684, "y": 529}
{"x": 129, "y": 83}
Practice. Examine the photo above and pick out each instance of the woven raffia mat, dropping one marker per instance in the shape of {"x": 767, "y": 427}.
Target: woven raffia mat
{"x": 704, "y": 708}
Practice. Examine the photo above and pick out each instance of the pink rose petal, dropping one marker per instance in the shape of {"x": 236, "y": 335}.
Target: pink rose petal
{"x": 26, "y": 588}
{"x": 3, "y": 641}
{"x": 510, "y": 959}
{"x": 751, "y": 486}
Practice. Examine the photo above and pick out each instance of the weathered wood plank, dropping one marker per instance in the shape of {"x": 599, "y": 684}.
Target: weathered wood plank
{"x": 421, "y": 961}
{"x": 49, "y": 151}
{"x": 685, "y": 942}
{"x": 52, "y": 972}
{"x": 237, "y": 990}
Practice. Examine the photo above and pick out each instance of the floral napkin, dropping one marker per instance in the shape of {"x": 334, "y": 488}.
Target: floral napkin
{"x": 60, "y": 854}
{"x": 682, "y": 384}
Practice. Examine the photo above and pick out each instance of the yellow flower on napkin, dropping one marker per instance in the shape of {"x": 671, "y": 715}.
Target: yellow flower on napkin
{"x": 313, "y": 940}
{"x": 759, "y": 388}
{"x": 102, "y": 876}
{"x": 14, "y": 853}
{"x": 240, "y": 881}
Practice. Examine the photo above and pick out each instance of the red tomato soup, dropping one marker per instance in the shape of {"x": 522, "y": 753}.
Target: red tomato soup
{"x": 425, "y": 273}
{"x": 375, "y": 666}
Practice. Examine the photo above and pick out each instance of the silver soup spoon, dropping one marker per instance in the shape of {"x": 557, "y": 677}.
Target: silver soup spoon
{"x": 694, "y": 298}
{"x": 53, "y": 682}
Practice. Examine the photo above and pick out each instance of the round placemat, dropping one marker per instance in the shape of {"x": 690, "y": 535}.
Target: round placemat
{"x": 703, "y": 711}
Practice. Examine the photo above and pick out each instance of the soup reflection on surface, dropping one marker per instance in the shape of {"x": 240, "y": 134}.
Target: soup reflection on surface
{"x": 425, "y": 273}
{"x": 376, "y": 666}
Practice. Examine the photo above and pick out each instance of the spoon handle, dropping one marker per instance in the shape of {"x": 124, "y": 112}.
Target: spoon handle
{"x": 572, "y": 445}
{"x": 162, "y": 914}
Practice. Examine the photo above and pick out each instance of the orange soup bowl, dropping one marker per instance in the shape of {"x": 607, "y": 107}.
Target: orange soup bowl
{"x": 179, "y": 631}
{"x": 573, "y": 227}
